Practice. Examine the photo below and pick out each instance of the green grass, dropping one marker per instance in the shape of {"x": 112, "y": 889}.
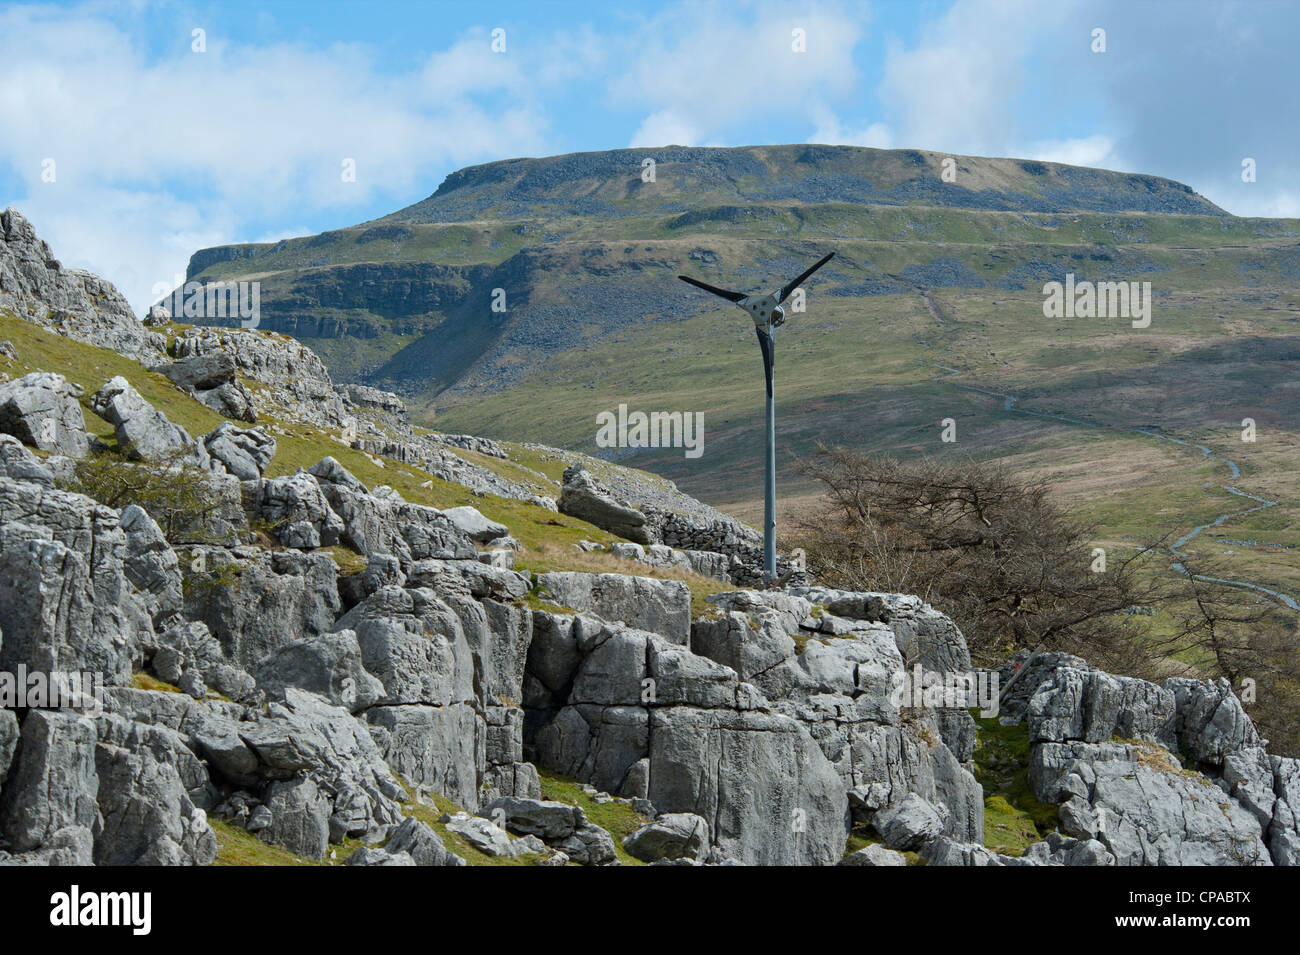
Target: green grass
{"x": 146, "y": 681}
{"x": 862, "y": 836}
{"x": 235, "y": 847}
{"x": 1014, "y": 818}
{"x": 451, "y": 840}
{"x": 618, "y": 819}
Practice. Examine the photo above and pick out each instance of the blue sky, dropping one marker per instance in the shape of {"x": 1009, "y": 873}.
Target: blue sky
{"x": 129, "y": 149}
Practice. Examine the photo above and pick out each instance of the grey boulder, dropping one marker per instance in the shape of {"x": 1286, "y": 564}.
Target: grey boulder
{"x": 41, "y": 409}
{"x": 672, "y": 835}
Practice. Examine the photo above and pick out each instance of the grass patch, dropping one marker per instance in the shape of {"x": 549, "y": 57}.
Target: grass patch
{"x": 144, "y": 681}
{"x": 237, "y": 847}
{"x": 1014, "y": 818}
{"x": 347, "y": 560}
{"x": 454, "y": 842}
{"x": 619, "y": 819}
{"x": 862, "y": 836}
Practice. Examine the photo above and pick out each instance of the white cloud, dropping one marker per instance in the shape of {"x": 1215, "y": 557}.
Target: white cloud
{"x": 1096, "y": 150}
{"x": 665, "y": 128}
{"x": 243, "y": 133}
{"x": 702, "y": 70}
{"x": 830, "y": 132}
{"x": 955, "y": 89}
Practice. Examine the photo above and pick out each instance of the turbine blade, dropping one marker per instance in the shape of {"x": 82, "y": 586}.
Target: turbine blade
{"x": 722, "y": 293}
{"x": 788, "y": 290}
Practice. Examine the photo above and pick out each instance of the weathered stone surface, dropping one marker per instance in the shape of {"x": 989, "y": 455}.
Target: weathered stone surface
{"x": 482, "y": 834}
{"x": 414, "y": 644}
{"x": 297, "y": 513}
{"x": 587, "y": 499}
{"x": 373, "y": 524}
{"x": 256, "y": 602}
{"x": 1211, "y": 722}
{"x": 53, "y": 783}
{"x": 200, "y": 372}
{"x": 41, "y": 409}
{"x": 296, "y": 383}
{"x": 142, "y": 430}
{"x": 874, "y": 855}
{"x": 328, "y": 664}
{"x": 589, "y": 845}
{"x": 549, "y": 821}
{"x": 1088, "y": 705}
{"x": 474, "y": 525}
{"x": 8, "y": 740}
{"x": 65, "y": 603}
{"x": 244, "y": 452}
{"x": 19, "y": 464}
{"x": 1149, "y": 812}
{"x": 151, "y": 565}
{"x": 189, "y": 657}
{"x": 36, "y": 287}
{"x": 147, "y": 817}
{"x": 367, "y": 856}
{"x": 661, "y": 606}
{"x": 1284, "y": 830}
{"x": 467, "y": 576}
{"x": 421, "y": 843}
{"x": 910, "y": 824}
{"x": 73, "y": 846}
{"x": 436, "y": 746}
{"x": 300, "y": 817}
{"x": 672, "y": 835}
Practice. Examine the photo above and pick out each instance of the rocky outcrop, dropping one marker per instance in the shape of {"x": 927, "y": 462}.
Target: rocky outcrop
{"x": 693, "y": 536}
{"x": 142, "y": 430}
{"x": 35, "y": 286}
{"x": 661, "y": 606}
{"x": 244, "y": 452}
{"x": 587, "y": 499}
{"x": 67, "y": 603}
{"x": 762, "y": 728}
{"x": 1111, "y": 751}
{"x": 294, "y": 382}
{"x": 41, "y": 409}
{"x": 212, "y": 380}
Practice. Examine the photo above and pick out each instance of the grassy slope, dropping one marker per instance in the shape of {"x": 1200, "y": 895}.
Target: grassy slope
{"x": 1163, "y": 492}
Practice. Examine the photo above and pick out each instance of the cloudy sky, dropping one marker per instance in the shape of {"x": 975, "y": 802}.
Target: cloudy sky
{"x": 132, "y": 140}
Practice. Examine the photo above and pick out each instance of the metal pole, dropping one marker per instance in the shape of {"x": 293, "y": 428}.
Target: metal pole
{"x": 767, "y": 341}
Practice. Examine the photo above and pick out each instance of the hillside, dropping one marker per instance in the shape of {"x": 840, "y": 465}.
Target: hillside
{"x": 360, "y": 642}
{"x": 932, "y": 309}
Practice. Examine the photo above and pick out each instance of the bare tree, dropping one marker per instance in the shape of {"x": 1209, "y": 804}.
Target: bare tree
{"x": 992, "y": 551}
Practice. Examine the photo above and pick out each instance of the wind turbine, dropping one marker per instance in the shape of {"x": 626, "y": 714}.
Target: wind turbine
{"x": 768, "y": 316}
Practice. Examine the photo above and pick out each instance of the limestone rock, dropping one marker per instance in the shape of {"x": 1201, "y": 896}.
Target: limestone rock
{"x": 53, "y": 783}
{"x": 41, "y": 409}
{"x": 19, "y": 464}
{"x": 329, "y": 665}
{"x": 474, "y": 525}
{"x": 910, "y": 824}
{"x": 661, "y": 606}
{"x": 142, "y": 430}
{"x": 587, "y": 499}
{"x": 672, "y": 835}
{"x": 417, "y": 840}
{"x": 874, "y": 855}
{"x": 244, "y": 452}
